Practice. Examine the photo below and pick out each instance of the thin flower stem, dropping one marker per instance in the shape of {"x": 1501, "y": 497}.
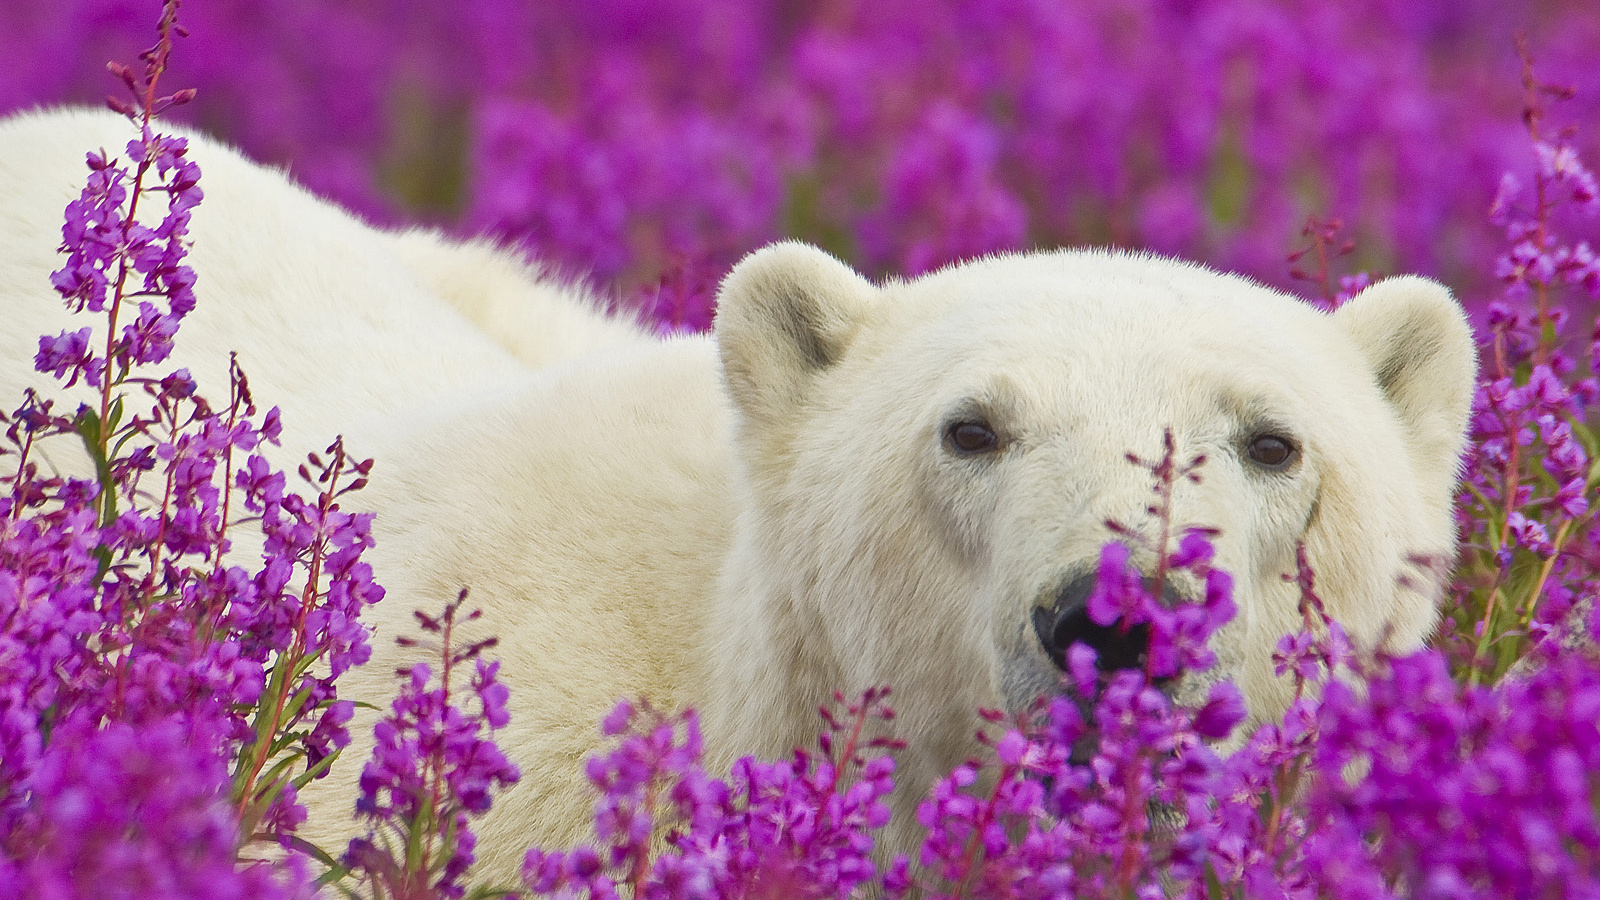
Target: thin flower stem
{"x": 437, "y": 763}
{"x": 970, "y": 860}
{"x": 1485, "y": 635}
{"x": 1533, "y": 112}
{"x": 1549, "y": 565}
{"x": 227, "y": 463}
{"x": 1509, "y": 495}
{"x": 291, "y": 659}
{"x": 641, "y": 862}
{"x": 165, "y": 513}
{"x": 1322, "y": 269}
{"x": 17, "y": 481}
{"x": 107, "y": 384}
{"x": 1134, "y": 818}
{"x": 846, "y": 756}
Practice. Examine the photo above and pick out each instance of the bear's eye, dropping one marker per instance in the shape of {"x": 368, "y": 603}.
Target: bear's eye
{"x": 1272, "y": 451}
{"x": 972, "y": 437}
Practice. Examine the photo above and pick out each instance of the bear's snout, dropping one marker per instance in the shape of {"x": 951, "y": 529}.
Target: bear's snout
{"x": 1066, "y": 622}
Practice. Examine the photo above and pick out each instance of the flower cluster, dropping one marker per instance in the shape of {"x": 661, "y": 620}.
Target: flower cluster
{"x": 800, "y": 827}
{"x": 131, "y": 811}
{"x": 1124, "y": 598}
{"x": 1256, "y": 832}
{"x": 1465, "y": 791}
{"x": 1328, "y": 243}
{"x": 433, "y": 768}
{"x": 159, "y": 698}
{"x": 1533, "y": 553}
{"x": 106, "y": 244}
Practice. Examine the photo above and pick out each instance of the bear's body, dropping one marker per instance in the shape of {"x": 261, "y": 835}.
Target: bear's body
{"x": 747, "y": 522}
{"x": 353, "y": 323}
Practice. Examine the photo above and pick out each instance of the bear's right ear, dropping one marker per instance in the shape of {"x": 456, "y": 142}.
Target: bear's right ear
{"x": 1420, "y": 350}
{"x": 784, "y": 314}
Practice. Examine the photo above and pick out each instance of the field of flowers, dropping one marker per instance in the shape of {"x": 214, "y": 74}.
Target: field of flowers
{"x": 160, "y": 705}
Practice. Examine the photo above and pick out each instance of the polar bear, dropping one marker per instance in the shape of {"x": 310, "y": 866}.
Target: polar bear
{"x": 847, "y": 484}
{"x": 747, "y": 521}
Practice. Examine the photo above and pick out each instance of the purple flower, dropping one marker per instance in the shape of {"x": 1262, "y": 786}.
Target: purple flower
{"x": 492, "y": 694}
{"x": 1508, "y": 766}
{"x": 1119, "y": 593}
{"x": 68, "y": 356}
{"x": 1224, "y": 711}
{"x": 136, "y": 812}
{"x": 127, "y": 630}
{"x": 1297, "y": 653}
{"x": 801, "y": 827}
{"x": 434, "y": 767}
{"x": 142, "y": 662}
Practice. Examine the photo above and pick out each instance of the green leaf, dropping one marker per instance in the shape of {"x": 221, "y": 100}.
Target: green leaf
{"x": 274, "y": 781}
{"x": 1214, "y": 888}
{"x": 306, "y": 660}
{"x": 421, "y": 830}
{"x": 116, "y": 448}
{"x": 304, "y": 778}
{"x": 335, "y": 869}
{"x": 87, "y": 425}
{"x": 102, "y": 555}
{"x": 114, "y": 416}
{"x": 492, "y": 892}
{"x": 286, "y": 739}
{"x": 330, "y": 875}
{"x": 1586, "y": 437}
{"x": 291, "y": 710}
{"x": 260, "y": 723}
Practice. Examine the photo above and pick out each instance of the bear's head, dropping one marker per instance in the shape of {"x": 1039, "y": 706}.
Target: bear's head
{"x": 928, "y": 466}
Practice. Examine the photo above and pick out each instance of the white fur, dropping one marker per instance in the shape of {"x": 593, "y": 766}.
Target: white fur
{"x": 347, "y": 323}
{"x": 745, "y": 523}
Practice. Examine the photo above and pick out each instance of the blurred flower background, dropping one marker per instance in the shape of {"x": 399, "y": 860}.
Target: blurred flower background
{"x": 648, "y": 145}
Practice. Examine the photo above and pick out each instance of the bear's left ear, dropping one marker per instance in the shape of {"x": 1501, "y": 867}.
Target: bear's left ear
{"x": 784, "y": 314}
{"x": 1420, "y": 351}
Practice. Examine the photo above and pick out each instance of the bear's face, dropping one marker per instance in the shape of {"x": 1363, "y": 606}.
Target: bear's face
{"x": 932, "y": 465}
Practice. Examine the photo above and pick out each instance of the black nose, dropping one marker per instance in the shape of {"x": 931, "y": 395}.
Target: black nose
{"x": 1067, "y": 622}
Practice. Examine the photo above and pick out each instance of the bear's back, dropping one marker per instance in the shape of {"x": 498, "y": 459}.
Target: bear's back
{"x": 326, "y": 319}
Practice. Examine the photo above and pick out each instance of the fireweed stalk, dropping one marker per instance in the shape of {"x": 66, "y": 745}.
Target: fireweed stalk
{"x": 1531, "y": 553}
{"x": 1429, "y": 782}
{"x": 797, "y": 828}
{"x": 433, "y": 767}
{"x": 140, "y": 660}
{"x": 1328, "y": 244}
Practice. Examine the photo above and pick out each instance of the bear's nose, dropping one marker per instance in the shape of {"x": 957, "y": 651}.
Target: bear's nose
{"x": 1067, "y": 622}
